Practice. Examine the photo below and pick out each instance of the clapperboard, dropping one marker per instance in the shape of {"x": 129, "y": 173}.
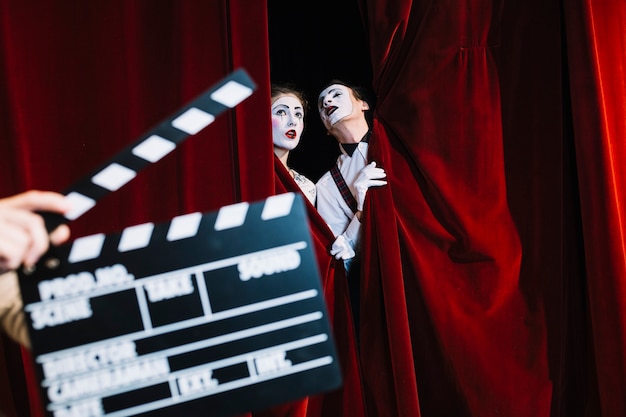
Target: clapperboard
{"x": 209, "y": 314}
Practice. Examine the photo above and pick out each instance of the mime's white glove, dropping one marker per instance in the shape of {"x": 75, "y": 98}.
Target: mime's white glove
{"x": 341, "y": 249}
{"x": 370, "y": 176}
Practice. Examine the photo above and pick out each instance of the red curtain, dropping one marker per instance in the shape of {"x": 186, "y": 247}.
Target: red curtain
{"x": 501, "y": 275}
{"x": 81, "y": 81}
{"x": 596, "y": 46}
{"x": 442, "y": 280}
{"x": 349, "y": 399}
{"x": 494, "y": 272}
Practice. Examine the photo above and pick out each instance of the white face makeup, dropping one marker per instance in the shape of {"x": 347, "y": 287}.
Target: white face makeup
{"x": 334, "y": 103}
{"x": 287, "y": 122}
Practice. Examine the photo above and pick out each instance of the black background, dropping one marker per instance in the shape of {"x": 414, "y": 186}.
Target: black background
{"x": 311, "y": 43}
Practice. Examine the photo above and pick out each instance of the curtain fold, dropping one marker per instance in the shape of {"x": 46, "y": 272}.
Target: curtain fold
{"x": 454, "y": 309}
{"x": 349, "y": 399}
{"x": 596, "y": 50}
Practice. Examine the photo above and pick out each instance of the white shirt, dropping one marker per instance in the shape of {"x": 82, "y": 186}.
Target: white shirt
{"x": 331, "y": 205}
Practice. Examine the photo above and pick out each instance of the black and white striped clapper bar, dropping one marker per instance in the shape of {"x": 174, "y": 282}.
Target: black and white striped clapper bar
{"x": 209, "y": 314}
{"x": 154, "y": 145}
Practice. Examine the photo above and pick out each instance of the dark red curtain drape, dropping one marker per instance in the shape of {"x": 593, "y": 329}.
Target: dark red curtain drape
{"x": 349, "y": 400}
{"x": 495, "y": 263}
{"x": 443, "y": 273}
{"x": 563, "y": 113}
{"x": 80, "y": 82}
{"x": 501, "y": 275}
{"x": 596, "y": 50}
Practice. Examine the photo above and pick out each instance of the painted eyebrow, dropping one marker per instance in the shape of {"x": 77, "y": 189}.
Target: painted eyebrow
{"x": 320, "y": 99}
{"x": 284, "y": 106}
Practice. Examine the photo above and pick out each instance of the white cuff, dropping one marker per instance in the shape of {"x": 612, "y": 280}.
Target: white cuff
{"x": 353, "y": 232}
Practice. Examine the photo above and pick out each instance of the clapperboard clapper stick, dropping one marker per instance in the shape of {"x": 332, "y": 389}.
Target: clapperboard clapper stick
{"x": 154, "y": 145}
{"x": 210, "y": 314}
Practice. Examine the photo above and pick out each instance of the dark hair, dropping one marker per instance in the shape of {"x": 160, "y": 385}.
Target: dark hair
{"x": 359, "y": 92}
{"x": 286, "y": 88}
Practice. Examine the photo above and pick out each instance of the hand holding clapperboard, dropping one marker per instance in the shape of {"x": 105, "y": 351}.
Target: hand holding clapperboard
{"x": 212, "y": 314}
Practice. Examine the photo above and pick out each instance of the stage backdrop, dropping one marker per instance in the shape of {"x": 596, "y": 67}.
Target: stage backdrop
{"x": 495, "y": 270}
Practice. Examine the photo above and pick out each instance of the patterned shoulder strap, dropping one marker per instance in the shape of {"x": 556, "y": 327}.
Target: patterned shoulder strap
{"x": 343, "y": 188}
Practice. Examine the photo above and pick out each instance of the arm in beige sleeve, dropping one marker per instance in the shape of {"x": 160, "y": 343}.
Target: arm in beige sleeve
{"x": 12, "y": 320}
